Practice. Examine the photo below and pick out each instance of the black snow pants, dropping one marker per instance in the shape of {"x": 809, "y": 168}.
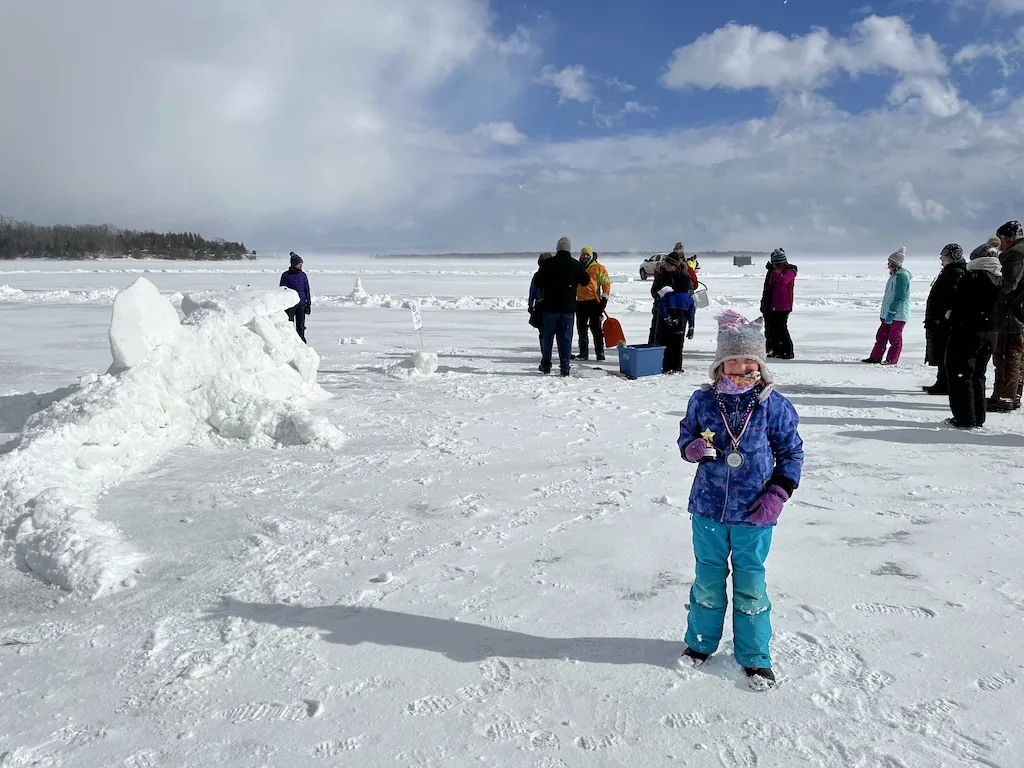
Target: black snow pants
{"x": 967, "y": 358}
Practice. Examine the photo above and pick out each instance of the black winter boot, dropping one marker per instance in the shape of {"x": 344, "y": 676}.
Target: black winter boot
{"x": 760, "y": 678}
{"x": 694, "y": 658}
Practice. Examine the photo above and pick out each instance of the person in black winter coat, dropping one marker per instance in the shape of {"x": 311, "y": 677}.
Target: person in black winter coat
{"x": 973, "y": 331}
{"x": 671, "y": 273}
{"x": 557, "y": 280}
{"x": 936, "y": 323}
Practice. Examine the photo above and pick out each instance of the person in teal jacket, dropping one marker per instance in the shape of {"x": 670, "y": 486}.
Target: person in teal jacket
{"x": 895, "y": 312}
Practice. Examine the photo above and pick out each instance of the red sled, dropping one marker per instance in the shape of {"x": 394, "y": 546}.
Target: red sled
{"x": 613, "y": 335}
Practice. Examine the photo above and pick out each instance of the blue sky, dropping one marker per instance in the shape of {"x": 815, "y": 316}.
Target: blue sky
{"x": 470, "y": 125}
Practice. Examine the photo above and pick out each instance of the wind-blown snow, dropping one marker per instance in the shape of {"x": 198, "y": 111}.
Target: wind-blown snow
{"x": 234, "y": 368}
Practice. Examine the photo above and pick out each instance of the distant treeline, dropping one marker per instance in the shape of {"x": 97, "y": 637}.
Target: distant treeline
{"x": 23, "y": 240}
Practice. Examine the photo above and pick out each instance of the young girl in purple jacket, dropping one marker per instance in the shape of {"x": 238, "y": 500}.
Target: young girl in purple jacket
{"x": 743, "y": 437}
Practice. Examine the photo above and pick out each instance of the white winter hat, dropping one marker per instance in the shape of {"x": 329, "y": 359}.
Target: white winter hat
{"x": 740, "y": 339}
{"x": 564, "y": 244}
{"x": 899, "y": 257}
{"x": 663, "y": 292}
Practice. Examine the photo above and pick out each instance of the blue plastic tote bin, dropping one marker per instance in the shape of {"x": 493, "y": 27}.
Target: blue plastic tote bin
{"x": 638, "y": 360}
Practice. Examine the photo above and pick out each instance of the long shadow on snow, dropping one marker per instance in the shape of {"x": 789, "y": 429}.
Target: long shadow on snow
{"x": 938, "y": 436}
{"x": 840, "y": 421}
{"x": 816, "y": 389}
{"x": 457, "y": 640}
{"x": 933, "y": 404}
{"x": 15, "y": 410}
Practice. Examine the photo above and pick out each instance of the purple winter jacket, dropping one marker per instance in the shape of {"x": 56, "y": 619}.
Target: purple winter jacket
{"x": 296, "y": 280}
{"x": 778, "y": 289}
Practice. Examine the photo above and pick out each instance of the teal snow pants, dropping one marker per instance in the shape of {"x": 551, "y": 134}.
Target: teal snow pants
{"x": 751, "y": 611}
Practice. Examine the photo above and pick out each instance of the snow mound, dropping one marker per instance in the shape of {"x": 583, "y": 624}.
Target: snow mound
{"x": 418, "y": 364}
{"x": 141, "y": 322}
{"x": 233, "y": 369}
{"x": 358, "y": 292}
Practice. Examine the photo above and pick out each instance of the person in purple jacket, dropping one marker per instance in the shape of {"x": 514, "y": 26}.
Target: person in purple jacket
{"x": 296, "y": 279}
{"x": 744, "y": 438}
{"x": 777, "y": 303}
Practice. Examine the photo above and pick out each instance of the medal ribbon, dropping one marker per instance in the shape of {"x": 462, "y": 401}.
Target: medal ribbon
{"x": 728, "y": 424}
{"x": 728, "y": 428}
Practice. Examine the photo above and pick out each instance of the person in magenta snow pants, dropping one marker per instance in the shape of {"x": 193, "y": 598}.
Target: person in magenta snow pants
{"x": 895, "y": 312}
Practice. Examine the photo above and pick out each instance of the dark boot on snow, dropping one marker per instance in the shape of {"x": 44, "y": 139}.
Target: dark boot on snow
{"x": 693, "y": 658}
{"x": 760, "y": 678}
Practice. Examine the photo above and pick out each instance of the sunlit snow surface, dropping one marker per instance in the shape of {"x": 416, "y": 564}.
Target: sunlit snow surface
{"x": 492, "y": 567}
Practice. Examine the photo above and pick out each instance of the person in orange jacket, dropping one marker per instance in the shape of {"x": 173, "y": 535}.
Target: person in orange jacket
{"x": 591, "y": 301}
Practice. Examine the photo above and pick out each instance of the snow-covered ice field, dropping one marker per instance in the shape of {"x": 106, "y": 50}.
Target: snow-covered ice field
{"x": 492, "y": 567}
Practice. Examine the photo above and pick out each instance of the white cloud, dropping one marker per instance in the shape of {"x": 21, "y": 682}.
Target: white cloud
{"x": 501, "y": 133}
{"x": 571, "y": 83}
{"x": 619, "y": 85}
{"x": 389, "y": 123}
{"x": 1007, "y": 7}
{"x": 744, "y": 57}
{"x": 222, "y": 115}
{"x": 921, "y": 210}
{"x": 1005, "y": 51}
{"x": 610, "y": 119}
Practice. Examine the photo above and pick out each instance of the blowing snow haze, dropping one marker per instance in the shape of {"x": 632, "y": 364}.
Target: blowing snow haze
{"x": 469, "y": 125}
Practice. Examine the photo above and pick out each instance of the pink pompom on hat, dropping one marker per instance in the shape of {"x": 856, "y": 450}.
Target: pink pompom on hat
{"x": 740, "y": 339}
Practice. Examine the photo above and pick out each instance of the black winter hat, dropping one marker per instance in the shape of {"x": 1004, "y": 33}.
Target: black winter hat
{"x": 1011, "y": 230}
{"x": 295, "y": 258}
{"x": 953, "y": 252}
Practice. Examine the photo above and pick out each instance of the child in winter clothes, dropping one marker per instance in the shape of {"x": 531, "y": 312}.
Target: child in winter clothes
{"x": 743, "y": 437}
{"x": 676, "y": 314}
{"x": 777, "y": 303}
{"x": 296, "y": 279}
{"x": 895, "y": 311}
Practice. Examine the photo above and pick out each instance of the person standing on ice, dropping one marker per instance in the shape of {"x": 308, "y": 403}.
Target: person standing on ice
{"x": 744, "y": 438}
{"x": 936, "y": 314}
{"x": 973, "y": 323}
{"x": 777, "y": 304}
{"x": 534, "y": 303}
{"x": 591, "y": 300}
{"x": 671, "y": 272}
{"x": 1009, "y": 376}
{"x": 677, "y": 312}
{"x": 558, "y": 278}
{"x": 296, "y": 279}
{"x": 895, "y": 312}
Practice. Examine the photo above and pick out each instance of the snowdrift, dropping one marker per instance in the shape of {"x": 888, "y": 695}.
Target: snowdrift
{"x": 232, "y": 369}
